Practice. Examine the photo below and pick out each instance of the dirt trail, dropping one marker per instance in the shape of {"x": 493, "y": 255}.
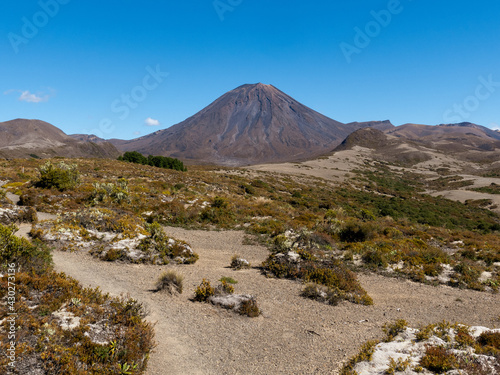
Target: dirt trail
{"x": 293, "y": 336}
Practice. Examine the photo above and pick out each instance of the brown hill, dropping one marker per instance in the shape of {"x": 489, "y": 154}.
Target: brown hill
{"x": 379, "y": 125}
{"x": 465, "y": 140}
{"x": 386, "y": 147}
{"x": 252, "y": 124}
{"x": 23, "y": 138}
{"x": 412, "y": 143}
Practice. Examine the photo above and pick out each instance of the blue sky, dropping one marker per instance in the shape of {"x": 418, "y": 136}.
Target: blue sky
{"x": 120, "y": 69}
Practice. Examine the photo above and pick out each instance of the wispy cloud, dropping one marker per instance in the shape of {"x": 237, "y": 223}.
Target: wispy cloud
{"x": 28, "y": 97}
{"x": 151, "y": 122}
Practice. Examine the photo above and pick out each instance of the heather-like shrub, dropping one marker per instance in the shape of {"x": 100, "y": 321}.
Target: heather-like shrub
{"x": 438, "y": 359}
{"x": 249, "y": 308}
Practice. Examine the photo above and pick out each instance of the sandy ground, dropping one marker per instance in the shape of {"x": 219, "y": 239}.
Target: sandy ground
{"x": 294, "y": 335}
{"x": 337, "y": 167}
{"x": 463, "y": 195}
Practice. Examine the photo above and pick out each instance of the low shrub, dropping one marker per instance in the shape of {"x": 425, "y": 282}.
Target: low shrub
{"x": 31, "y": 257}
{"x": 397, "y": 366}
{"x": 228, "y": 280}
{"x": 62, "y": 177}
{"x": 394, "y": 329}
{"x": 438, "y": 359}
{"x": 110, "y": 192}
{"x": 353, "y": 231}
{"x": 170, "y": 282}
{"x": 365, "y": 354}
{"x": 204, "y": 291}
{"x": 489, "y": 344}
{"x": 238, "y": 263}
{"x": 249, "y": 308}
{"x": 332, "y": 274}
{"x": 322, "y": 293}
{"x": 224, "y": 288}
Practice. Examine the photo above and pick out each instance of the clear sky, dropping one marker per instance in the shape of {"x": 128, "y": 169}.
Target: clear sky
{"x": 120, "y": 69}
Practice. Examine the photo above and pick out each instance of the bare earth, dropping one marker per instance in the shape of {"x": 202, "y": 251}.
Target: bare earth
{"x": 293, "y": 336}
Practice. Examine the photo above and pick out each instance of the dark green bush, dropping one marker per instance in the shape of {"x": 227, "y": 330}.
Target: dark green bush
{"x": 61, "y": 177}
{"x": 155, "y": 161}
{"x": 27, "y": 256}
{"x": 356, "y": 232}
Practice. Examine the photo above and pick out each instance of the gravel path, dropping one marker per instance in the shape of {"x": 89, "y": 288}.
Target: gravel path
{"x": 293, "y": 336}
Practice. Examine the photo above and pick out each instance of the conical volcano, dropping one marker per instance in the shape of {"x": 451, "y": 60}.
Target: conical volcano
{"x": 251, "y": 124}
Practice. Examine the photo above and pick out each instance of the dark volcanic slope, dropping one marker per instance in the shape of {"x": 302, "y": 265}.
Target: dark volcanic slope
{"x": 251, "y": 124}
{"x": 21, "y": 138}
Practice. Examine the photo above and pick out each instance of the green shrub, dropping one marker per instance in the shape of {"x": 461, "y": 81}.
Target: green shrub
{"x": 365, "y": 354}
{"x": 62, "y": 177}
{"x": 397, "y": 366}
{"x": 204, "y": 291}
{"x": 219, "y": 202}
{"x": 322, "y": 293}
{"x": 30, "y": 257}
{"x": 104, "y": 192}
{"x": 228, "y": 280}
{"x": 394, "y": 329}
{"x": 155, "y": 161}
{"x": 375, "y": 258}
{"x": 224, "y": 288}
{"x": 353, "y": 231}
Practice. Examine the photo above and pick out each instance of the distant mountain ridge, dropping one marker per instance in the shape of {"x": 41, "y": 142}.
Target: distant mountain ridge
{"x": 251, "y": 124}
{"x": 22, "y": 138}
{"x": 412, "y": 143}
{"x": 254, "y": 124}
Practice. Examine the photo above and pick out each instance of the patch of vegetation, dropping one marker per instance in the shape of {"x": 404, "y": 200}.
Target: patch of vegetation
{"x": 223, "y": 296}
{"x": 364, "y": 354}
{"x": 249, "y": 308}
{"x": 438, "y": 359}
{"x": 166, "y": 247}
{"x": 238, "y": 263}
{"x": 171, "y": 282}
{"x": 397, "y": 366}
{"x": 458, "y": 350}
{"x": 340, "y": 282}
{"x": 105, "y": 192}
{"x": 491, "y": 189}
{"x": 154, "y": 161}
{"x": 64, "y": 328}
{"x": 394, "y": 329}
{"x": 204, "y": 291}
{"x": 378, "y": 220}
{"x": 228, "y": 280}
{"x": 62, "y": 177}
